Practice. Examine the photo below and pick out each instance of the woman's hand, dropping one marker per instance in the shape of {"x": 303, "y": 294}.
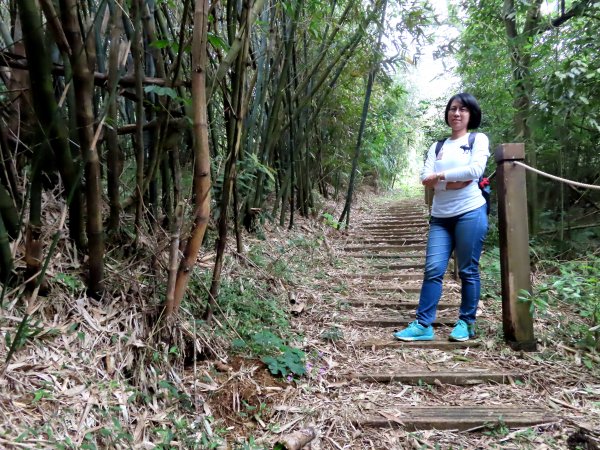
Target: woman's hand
{"x": 456, "y": 185}
{"x": 431, "y": 180}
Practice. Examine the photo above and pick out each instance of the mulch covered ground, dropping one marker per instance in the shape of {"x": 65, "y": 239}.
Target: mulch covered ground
{"x": 98, "y": 374}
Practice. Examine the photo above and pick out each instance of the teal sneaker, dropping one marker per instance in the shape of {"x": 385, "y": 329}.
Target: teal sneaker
{"x": 462, "y": 331}
{"x": 415, "y": 332}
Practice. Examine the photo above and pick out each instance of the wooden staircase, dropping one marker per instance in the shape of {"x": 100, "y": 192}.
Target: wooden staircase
{"x": 389, "y": 249}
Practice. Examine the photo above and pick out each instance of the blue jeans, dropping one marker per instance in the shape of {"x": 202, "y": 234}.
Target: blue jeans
{"x": 464, "y": 234}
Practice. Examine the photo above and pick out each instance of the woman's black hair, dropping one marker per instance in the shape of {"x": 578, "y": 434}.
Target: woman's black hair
{"x": 468, "y": 101}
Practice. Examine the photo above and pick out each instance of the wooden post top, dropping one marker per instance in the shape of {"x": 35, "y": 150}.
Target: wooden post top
{"x": 510, "y": 152}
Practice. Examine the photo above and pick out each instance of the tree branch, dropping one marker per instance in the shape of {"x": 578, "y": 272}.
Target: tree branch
{"x": 100, "y": 79}
{"x": 576, "y": 10}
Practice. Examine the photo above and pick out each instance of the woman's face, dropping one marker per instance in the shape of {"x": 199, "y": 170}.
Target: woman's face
{"x": 458, "y": 116}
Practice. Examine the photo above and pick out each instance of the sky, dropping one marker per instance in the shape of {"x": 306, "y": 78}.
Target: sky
{"x": 431, "y": 78}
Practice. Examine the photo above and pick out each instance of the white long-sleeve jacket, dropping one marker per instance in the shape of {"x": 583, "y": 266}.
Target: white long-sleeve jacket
{"x": 458, "y": 164}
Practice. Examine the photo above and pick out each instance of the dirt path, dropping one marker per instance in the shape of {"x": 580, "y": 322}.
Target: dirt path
{"x": 366, "y": 390}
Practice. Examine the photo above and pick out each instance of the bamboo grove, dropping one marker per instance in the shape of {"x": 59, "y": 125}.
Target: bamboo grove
{"x": 163, "y": 117}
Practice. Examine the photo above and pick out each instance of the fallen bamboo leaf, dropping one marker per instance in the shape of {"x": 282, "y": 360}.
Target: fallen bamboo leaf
{"x": 296, "y": 440}
{"x": 392, "y": 418}
{"x": 297, "y": 308}
{"x": 221, "y": 367}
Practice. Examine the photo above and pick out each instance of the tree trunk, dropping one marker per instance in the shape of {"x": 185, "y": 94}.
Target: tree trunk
{"x": 520, "y": 51}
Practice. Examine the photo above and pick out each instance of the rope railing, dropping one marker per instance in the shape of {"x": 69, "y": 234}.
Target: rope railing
{"x": 554, "y": 177}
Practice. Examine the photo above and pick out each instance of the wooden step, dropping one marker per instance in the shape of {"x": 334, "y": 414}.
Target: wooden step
{"x": 398, "y": 234}
{"x": 386, "y": 248}
{"x": 375, "y": 220}
{"x": 400, "y": 304}
{"x": 456, "y": 417}
{"x": 399, "y": 239}
{"x": 420, "y": 256}
{"x": 402, "y": 266}
{"x": 385, "y": 276}
{"x": 389, "y": 236}
{"x": 402, "y": 210}
{"x": 411, "y": 212}
{"x": 419, "y": 213}
{"x": 438, "y": 344}
{"x": 398, "y": 217}
{"x": 399, "y": 289}
{"x": 395, "y": 220}
{"x": 419, "y": 221}
{"x": 397, "y": 322}
{"x": 455, "y": 377}
{"x": 390, "y": 241}
{"x": 393, "y": 226}
{"x": 404, "y": 238}
{"x": 378, "y": 218}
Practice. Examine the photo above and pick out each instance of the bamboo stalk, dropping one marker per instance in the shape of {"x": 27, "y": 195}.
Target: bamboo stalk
{"x": 138, "y": 139}
{"x": 46, "y": 110}
{"x": 202, "y": 183}
{"x": 6, "y": 259}
{"x": 113, "y": 157}
{"x": 238, "y": 81}
{"x": 9, "y": 213}
{"x": 83, "y": 61}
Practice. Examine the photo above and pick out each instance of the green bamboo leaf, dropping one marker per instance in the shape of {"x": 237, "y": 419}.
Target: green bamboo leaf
{"x": 217, "y": 42}
{"x": 161, "y": 90}
{"x": 160, "y": 43}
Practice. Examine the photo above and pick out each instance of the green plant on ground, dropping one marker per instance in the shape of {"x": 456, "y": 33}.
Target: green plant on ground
{"x": 330, "y": 220}
{"x": 489, "y": 266}
{"x": 332, "y": 334}
{"x": 497, "y": 429}
{"x": 250, "y": 444}
{"x": 257, "y": 412}
{"x": 289, "y": 362}
{"x": 250, "y": 306}
{"x": 258, "y": 257}
{"x": 72, "y": 283}
{"x": 280, "y": 358}
{"x": 26, "y": 332}
{"x": 304, "y": 243}
{"x": 575, "y": 283}
{"x": 535, "y": 302}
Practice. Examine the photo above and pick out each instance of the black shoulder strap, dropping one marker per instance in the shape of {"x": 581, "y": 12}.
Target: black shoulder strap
{"x": 438, "y": 146}
{"x": 472, "y": 140}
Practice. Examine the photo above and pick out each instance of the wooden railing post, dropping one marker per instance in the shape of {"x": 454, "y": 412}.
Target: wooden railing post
{"x": 517, "y": 319}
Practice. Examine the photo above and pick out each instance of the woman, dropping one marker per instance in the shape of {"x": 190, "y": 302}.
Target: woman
{"x": 458, "y": 220}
